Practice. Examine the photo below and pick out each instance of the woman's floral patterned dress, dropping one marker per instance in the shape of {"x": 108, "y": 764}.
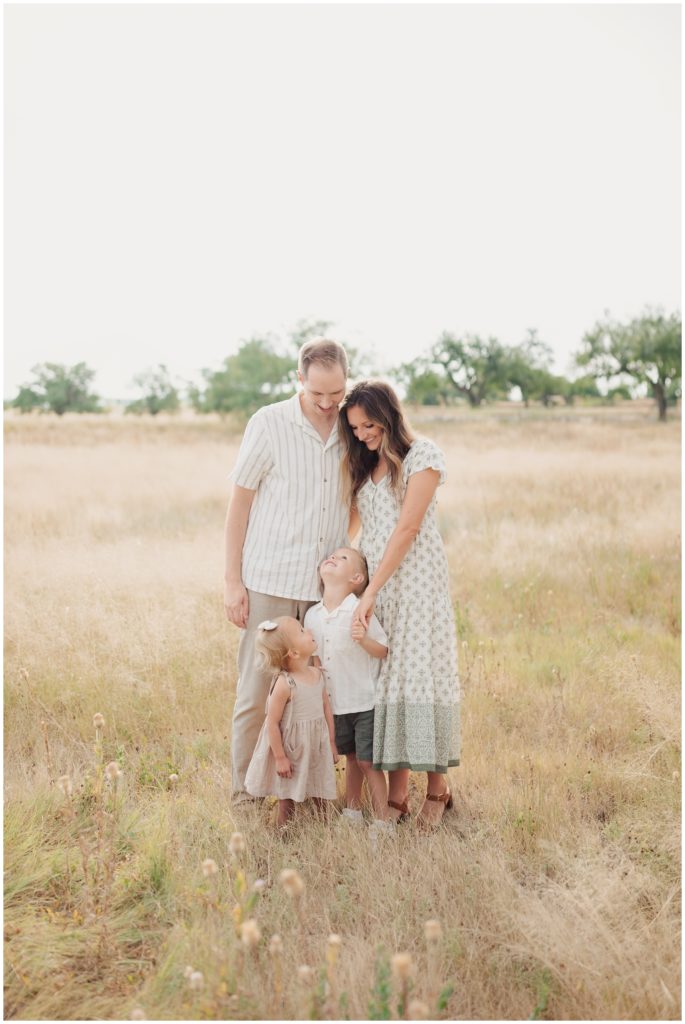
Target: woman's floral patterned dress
{"x": 416, "y": 723}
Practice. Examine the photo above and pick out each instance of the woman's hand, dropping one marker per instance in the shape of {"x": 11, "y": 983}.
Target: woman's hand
{"x": 364, "y": 609}
{"x": 336, "y": 755}
{"x": 284, "y": 769}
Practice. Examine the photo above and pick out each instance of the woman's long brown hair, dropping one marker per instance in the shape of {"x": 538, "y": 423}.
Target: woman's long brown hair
{"x": 382, "y": 406}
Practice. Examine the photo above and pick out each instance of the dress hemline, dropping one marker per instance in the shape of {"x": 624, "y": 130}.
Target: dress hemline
{"x": 438, "y": 768}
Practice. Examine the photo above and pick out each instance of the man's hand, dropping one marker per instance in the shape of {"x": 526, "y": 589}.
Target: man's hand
{"x": 358, "y": 630}
{"x": 236, "y": 604}
{"x": 284, "y": 768}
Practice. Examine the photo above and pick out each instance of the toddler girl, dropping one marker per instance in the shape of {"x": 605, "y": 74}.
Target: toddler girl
{"x": 295, "y": 751}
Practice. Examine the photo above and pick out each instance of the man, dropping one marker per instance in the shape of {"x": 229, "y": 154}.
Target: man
{"x": 286, "y": 512}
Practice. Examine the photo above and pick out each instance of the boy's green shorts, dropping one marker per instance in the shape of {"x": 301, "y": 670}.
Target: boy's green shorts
{"x": 354, "y": 734}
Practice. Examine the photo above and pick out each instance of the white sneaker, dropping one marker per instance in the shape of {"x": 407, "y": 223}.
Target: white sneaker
{"x": 352, "y": 816}
{"x": 379, "y": 829}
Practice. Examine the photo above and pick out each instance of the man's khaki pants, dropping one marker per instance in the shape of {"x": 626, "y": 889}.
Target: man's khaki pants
{"x": 252, "y": 688}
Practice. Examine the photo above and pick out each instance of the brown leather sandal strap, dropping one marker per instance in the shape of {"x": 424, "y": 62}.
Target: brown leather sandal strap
{"x": 442, "y": 797}
{"x": 403, "y": 808}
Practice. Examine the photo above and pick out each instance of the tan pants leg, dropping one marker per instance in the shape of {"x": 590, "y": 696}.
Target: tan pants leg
{"x": 252, "y": 687}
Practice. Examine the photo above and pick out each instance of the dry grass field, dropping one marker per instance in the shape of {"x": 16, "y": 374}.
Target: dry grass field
{"x": 555, "y": 882}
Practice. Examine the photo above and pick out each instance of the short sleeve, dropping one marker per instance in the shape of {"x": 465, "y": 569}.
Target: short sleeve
{"x": 254, "y": 458}
{"x": 376, "y": 632}
{"x": 312, "y": 620}
{"x": 423, "y": 454}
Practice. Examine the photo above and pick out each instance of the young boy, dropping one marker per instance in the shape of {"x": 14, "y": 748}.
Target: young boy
{"x": 350, "y": 657}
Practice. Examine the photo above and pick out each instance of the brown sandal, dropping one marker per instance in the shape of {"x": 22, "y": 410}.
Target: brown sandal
{"x": 403, "y": 808}
{"x": 444, "y": 798}
{"x": 441, "y": 798}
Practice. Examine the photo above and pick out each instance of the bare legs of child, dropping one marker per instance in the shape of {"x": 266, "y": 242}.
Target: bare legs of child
{"x": 378, "y": 788}
{"x": 355, "y": 773}
{"x": 285, "y": 812}
{"x": 354, "y": 780}
{"x": 286, "y": 809}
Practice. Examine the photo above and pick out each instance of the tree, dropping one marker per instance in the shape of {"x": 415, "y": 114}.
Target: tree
{"x": 264, "y": 370}
{"x": 59, "y": 388}
{"x": 583, "y": 387}
{"x": 475, "y": 368}
{"x": 647, "y": 349}
{"x": 362, "y": 363}
{"x": 423, "y": 385}
{"x": 256, "y": 375}
{"x": 28, "y": 399}
{"x": 159, "y": 393}
{"x": 528, "y": 366}
{"x": 550, "y": 386}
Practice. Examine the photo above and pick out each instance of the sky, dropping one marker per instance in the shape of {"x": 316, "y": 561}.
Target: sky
{"x": 179, "y": 178}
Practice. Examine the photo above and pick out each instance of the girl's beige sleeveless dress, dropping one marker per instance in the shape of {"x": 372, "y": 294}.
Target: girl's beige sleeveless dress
{"x": 307, "y": 745}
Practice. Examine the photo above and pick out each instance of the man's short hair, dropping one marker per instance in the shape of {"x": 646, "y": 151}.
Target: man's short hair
{"x": 323, "y": 351}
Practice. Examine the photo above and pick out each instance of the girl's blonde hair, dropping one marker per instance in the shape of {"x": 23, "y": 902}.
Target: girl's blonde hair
{"x": 271, "y": 646}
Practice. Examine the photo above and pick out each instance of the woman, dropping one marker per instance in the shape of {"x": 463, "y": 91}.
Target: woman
{"x": 391, "y": 479}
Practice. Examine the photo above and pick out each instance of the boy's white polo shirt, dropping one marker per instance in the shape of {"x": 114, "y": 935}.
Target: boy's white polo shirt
{"x": 351, "y": 673}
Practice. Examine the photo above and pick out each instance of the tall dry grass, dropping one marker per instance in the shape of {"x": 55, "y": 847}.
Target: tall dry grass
{"x": 556, "y": 881}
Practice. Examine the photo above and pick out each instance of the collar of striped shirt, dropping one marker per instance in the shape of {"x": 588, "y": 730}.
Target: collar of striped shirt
{"x": 294, "y": 410}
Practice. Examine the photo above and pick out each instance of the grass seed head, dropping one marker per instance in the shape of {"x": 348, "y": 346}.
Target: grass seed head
{"x": 113, "y": 771}
{"x": 333, "y": 950}
{"x": 291, "y": 880}
{"x": 433, "y": 930}
{"x": 209, "y": 867}
{"x": 98, "y": 720}
{"x": 276, "y": 945}
{"x": 417, "y": 1010}
{"x": 250, "y": 933}
{"x": 137, "y": 1013}
{"x": 188, "y": 971}
{"x": 196, "y": 980}
{"x": 65, "y": 785}
{"x": 305, "y": 973}
{"x": 173, "y": 779}
{"x": 236, "y": 844}
{"x": 401, "y": 966}
{"x": 259, "y": 885}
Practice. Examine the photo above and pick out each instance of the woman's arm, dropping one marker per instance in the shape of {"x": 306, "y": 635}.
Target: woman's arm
{"x": 354, "y": 524}
{"x": 420, "y": 490}
{"x": 280, "y": 696}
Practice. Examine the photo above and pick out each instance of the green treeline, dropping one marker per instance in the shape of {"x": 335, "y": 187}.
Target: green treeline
{"x": 467, "y": 368}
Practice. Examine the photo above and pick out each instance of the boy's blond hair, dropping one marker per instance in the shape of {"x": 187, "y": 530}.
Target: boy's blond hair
{"x": 363, "y": 568}
{"x": 271, "y": 647}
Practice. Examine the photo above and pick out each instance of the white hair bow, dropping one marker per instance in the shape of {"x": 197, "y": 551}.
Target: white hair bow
{"x": 268, "y": 625}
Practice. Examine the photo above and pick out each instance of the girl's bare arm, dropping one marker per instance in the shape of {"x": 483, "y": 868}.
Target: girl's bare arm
{"x": 277, "y": 702}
